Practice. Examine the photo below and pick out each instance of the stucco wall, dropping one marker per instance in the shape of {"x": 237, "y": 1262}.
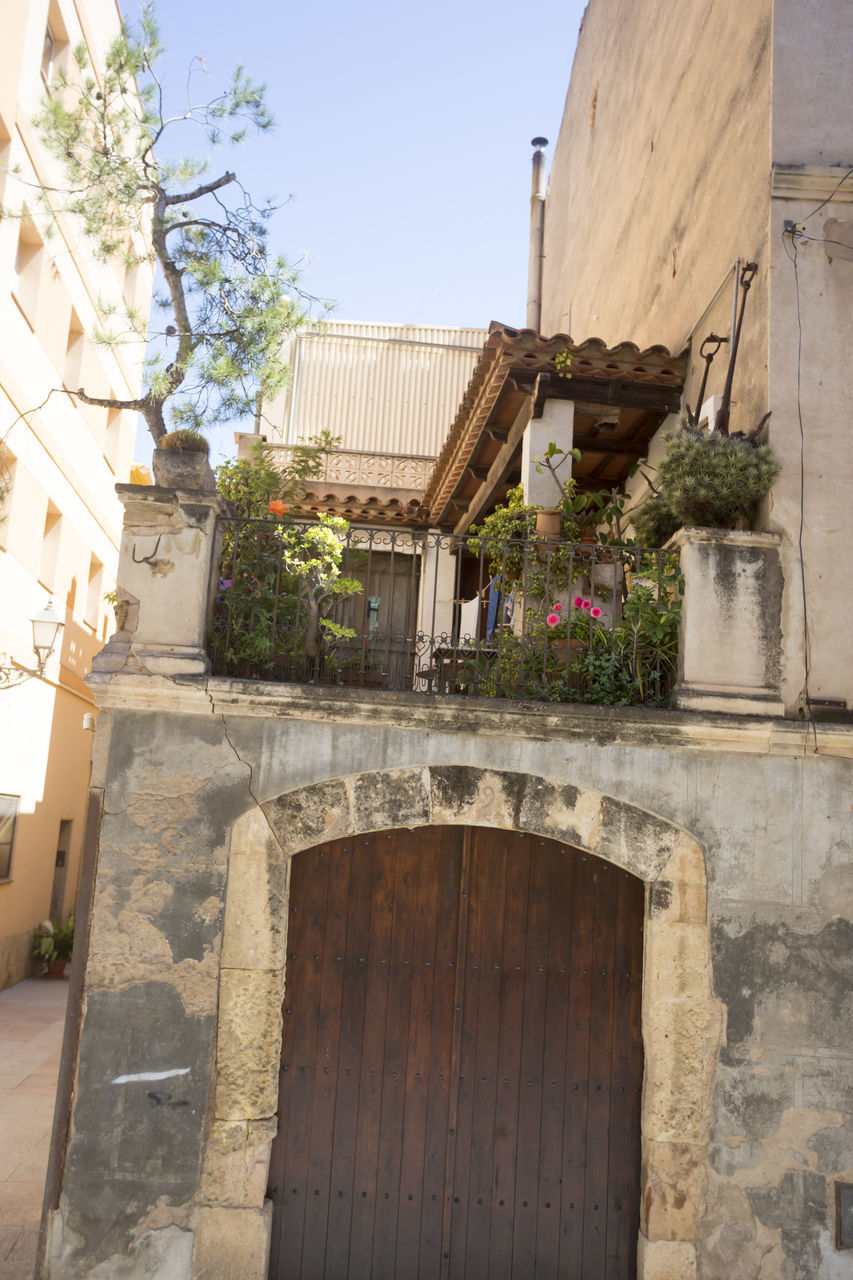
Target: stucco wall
{"x": 60, "y": 521}
{"x": 660, "y": 179}
{"x": 681, "y": 126}
{"x": 210, "y": 787}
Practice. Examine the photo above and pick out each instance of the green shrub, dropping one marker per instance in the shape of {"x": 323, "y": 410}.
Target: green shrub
{"x": 712, "y": 480}
{"x": 654, "y": 522}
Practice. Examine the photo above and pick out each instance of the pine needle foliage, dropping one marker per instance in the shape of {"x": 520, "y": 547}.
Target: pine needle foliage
{"x": 226, "y": 302}
{"x": 714, "y": 481}
{"x": 654, "y": 522}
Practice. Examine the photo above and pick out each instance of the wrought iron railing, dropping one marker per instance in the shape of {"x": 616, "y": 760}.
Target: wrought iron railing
{"x": 433, "y": 613}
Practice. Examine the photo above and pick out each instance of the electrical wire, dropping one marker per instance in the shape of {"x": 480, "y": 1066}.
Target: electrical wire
{"x": 829, "y": 197}
{"x": 823, "y": 240}
{"x": 792, "y": 256}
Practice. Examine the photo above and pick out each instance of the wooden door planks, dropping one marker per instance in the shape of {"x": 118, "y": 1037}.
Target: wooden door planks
{"x": 461, "y": 1064}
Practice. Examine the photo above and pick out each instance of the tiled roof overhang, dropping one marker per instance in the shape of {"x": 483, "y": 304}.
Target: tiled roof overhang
{"x": 515, "y": 375}
{"x": 397, "y": 509}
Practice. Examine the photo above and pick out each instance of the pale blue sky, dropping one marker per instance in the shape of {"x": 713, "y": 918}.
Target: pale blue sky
{"x": 403, "y": 139}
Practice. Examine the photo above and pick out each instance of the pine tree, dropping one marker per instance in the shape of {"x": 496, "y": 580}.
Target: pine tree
{"x": 226, "y": 302}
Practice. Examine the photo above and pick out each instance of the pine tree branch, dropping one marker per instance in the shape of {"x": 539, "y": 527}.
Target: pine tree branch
{"x": 109, "y": 402}
{"x": 203, "y": 190}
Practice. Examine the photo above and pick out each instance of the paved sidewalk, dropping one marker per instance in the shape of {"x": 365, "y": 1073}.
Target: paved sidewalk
{"x": 32, "y": 1015}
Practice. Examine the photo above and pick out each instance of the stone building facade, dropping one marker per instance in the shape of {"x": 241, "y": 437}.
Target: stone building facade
{"x": 731, "y": 813}
{"x": 205, "y": 792}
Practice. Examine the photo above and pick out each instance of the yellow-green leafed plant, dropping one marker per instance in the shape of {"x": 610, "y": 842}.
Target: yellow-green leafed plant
{"x": 312, "y": 554}
{"x": 54, "y": 941}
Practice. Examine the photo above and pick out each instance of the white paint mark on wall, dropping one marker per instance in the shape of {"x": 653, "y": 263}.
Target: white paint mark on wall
{"x": 151, "y": 1075}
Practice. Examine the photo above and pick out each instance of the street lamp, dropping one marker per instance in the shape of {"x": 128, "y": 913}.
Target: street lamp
{"x": 46, "y": 628}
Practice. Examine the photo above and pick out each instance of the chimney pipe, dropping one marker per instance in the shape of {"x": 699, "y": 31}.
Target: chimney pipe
{"x": 537, "y": 236}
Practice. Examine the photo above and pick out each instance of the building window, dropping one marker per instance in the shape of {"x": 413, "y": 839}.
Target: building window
{"x": 26, "y": 281}
{"x": 50, "y": 547}
{"x": 48, "y": 54}
{"x": 55, "y": 45}
{"x": 7, "y": 481}
{"x": 112, "y": 439}
{"x": 75, "y": 346}
{"x": 8, "y": 815}
{"x": 94, "y": 592}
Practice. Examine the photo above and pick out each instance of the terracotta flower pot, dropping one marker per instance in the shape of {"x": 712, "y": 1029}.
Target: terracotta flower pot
{"x": 548, "y": 523}
{"x": 55, "y": 969}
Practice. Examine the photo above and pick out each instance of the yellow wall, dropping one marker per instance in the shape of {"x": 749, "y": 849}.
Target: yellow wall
{"x": 61, "y": 520}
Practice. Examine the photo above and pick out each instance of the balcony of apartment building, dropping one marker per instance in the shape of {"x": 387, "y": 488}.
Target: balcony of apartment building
{"x": 508, "y": 568}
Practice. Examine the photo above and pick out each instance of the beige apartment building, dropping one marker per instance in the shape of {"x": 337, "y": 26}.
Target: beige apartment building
{"x": 59, "y": 462}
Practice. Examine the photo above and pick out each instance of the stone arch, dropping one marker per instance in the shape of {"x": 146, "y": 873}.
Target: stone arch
{"x": 682, "y": 1022}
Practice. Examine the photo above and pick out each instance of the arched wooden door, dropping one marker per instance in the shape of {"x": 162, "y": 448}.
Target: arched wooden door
{"x": 462, "y": 1062}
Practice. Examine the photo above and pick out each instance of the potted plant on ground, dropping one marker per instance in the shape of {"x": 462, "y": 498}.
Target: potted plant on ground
{"x": 54, "y": 943}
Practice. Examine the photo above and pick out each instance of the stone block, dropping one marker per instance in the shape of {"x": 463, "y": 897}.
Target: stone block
{"x": 677, "y": 959}
{"x": 394, "y": 798}
{"x": 248, "y": 1045}
{"x": 666, "y": 1260}
{"x": 681, "y": 1040}
{"x": 473, "y": 796}
{"x": 635, "y": 839}
{"x": 257, "y": 883}
{"x": 231, "y": 1243}
{"x": 311, "y": 815}
{"x": 675, "y": 1179}
{"x": 551, "y": 809}
{"x": 236, "y": 1163}
{"x": 674, "y": 902}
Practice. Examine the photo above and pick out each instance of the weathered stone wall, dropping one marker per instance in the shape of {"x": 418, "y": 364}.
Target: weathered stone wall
{"x": 212, "y": 785}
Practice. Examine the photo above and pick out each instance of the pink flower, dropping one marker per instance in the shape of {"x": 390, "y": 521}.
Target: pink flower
{"x": 585, "y": 604}
{"x": 578, "y": 602}
{"x": 553, "y": 619}
{"x": 595, "y": 613}
{"x": 557, "y": 607}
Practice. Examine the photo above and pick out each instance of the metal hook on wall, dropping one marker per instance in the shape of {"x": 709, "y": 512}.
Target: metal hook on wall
{"x": 149, "y": 559}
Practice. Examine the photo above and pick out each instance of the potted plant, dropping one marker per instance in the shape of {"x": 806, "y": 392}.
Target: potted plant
{"x": 180, "y": 461}
{"x": 54, "y": 943}
{"x": 707, "y": 480}
{"x": 505, "y": 536}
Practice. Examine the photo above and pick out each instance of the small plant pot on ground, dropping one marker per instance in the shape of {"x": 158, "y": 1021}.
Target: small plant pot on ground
{"x": 53, "y": 944}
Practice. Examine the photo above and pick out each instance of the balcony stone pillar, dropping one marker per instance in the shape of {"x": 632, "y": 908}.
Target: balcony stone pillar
{"x": 167, "y": 567}
{"x": 730, "y": 644}
{"x": 557, "y": 424}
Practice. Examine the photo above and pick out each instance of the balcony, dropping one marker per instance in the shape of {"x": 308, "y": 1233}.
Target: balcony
{"x": 436, "y": 614}
{"x": 431, "y": 614}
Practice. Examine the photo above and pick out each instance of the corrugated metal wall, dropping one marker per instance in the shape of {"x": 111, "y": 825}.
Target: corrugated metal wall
{"x": 382, "y": 388}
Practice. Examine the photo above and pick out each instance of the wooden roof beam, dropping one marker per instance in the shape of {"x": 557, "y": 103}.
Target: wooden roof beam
{"x": 613, "y": 391}
{"x": 498, "y": 471}
{"x": 611, "y": 445}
